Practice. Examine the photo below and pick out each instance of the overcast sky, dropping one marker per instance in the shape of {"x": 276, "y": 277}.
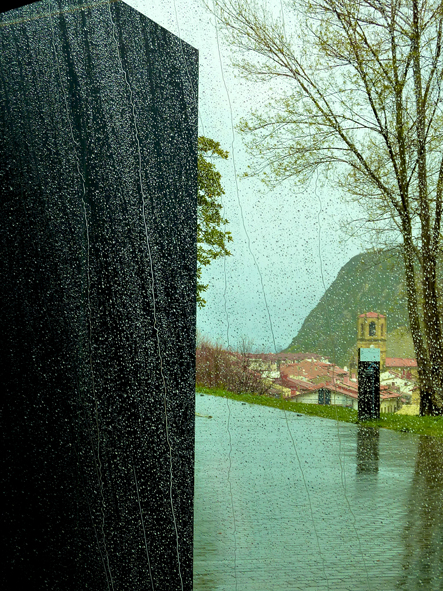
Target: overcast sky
{"x": 287, "y": 247}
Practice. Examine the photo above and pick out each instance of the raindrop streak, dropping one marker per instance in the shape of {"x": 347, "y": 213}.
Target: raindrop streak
{"x": 212, "y": 172}
{"x": 134, "y": 116}
{"x": 237, "y": 192}
{"x": 143, "y": 525}
{"x": 97, "y": 461}
{"x": 272, "y": 332}
{"x": 283, "y": 17}
{"x": 57, "y": 12}
{"x": 309, "y": 501}
{"x": 332, "y": 340}
{"x": 232, "y": 498}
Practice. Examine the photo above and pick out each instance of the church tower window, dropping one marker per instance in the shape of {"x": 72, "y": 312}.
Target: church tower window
{"x": 372, "y": 329}
{"x": 381, "y": 330}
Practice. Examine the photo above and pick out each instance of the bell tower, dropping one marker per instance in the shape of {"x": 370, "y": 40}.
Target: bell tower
{"x": 371, "y": 329}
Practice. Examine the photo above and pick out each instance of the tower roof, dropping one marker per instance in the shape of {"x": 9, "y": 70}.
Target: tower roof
{"x": 371, "y": 315}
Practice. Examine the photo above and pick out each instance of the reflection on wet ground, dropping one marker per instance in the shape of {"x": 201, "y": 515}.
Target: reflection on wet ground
{"x": 285, "y": 501}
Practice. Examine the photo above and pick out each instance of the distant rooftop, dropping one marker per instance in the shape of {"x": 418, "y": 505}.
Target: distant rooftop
{"x": 285, "y": 356}
{"x": 397, "y": 362}
{"x": 371, "y": 315}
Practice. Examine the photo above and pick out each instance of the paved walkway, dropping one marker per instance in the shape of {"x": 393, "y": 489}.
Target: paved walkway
{"x": 291, "y": 502}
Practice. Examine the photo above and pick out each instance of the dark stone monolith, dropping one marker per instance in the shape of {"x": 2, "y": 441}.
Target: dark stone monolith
{"x": 98, "y": 165}
{"x": 368, "y": 384}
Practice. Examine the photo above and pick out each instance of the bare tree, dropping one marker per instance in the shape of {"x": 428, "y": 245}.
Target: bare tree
{"x": 219, "y": 368}
{"x": 363, "y": 106}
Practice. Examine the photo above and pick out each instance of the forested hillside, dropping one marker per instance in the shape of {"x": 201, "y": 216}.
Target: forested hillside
{"x": 369, "y": 282}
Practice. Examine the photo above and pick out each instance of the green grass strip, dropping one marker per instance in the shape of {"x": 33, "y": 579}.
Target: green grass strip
{"x": 432, "y": 426}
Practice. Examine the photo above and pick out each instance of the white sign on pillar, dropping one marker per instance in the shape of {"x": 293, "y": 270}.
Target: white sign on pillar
{"x": 371, "y": 354}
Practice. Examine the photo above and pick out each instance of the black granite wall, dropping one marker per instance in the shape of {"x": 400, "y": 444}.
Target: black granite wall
{"x": 98, "y": 140}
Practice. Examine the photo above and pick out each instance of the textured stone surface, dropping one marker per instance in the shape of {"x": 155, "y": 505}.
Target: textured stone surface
{"x": 98, "y": 140}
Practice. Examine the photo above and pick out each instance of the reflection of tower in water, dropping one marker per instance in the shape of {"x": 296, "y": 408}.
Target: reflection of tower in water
{"x": 423, "y": 533}
{"x": 367, "y": 450}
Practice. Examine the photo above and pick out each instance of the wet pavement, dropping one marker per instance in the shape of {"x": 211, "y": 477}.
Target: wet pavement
{"x": 292, "y": 502}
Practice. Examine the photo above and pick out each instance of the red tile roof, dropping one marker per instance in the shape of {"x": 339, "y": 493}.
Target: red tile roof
{"x": 298, "y": 378}
{"x": 371, "y": 315}
{"x": 397, "y": 362}
{"x": 312, "y": 370}
{"x": 299, "y": 384}
{"x": 340, "y": 389}
{"x": 284, "y": 356}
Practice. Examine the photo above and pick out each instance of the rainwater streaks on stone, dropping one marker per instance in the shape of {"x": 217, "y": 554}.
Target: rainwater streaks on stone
{"x": 148, "y": 246}
{"x": 98, "y": 138}
{"x": 97, "y": 459}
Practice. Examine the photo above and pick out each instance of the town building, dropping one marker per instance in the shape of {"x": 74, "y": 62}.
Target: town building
{"x": 313, "y": 379}
{"x": 400, "y": 373}
{"x": 407, "y": 368}
{"x": 317, "y": 382}
{"x": 372, "y": 332}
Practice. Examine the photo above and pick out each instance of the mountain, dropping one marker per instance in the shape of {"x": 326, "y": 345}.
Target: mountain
{"x": 369, "y": 282}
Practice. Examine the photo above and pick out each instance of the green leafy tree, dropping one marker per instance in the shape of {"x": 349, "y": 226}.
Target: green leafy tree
{"x": 211, "y": 236}
{"x": 362, "y": 105}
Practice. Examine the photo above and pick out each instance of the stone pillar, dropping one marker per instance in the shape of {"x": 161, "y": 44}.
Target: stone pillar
{"x": 368, "y": 384}
{"x": 98, "y": 173}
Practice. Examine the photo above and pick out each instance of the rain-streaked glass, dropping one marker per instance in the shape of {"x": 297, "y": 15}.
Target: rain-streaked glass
{"x": 285, "y": 498}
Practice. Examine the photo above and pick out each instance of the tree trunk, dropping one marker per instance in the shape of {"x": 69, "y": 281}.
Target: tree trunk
{"x": 433, "y": 334}
{"x": 428, "y": 404}
{"x": 431, "y": 395}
